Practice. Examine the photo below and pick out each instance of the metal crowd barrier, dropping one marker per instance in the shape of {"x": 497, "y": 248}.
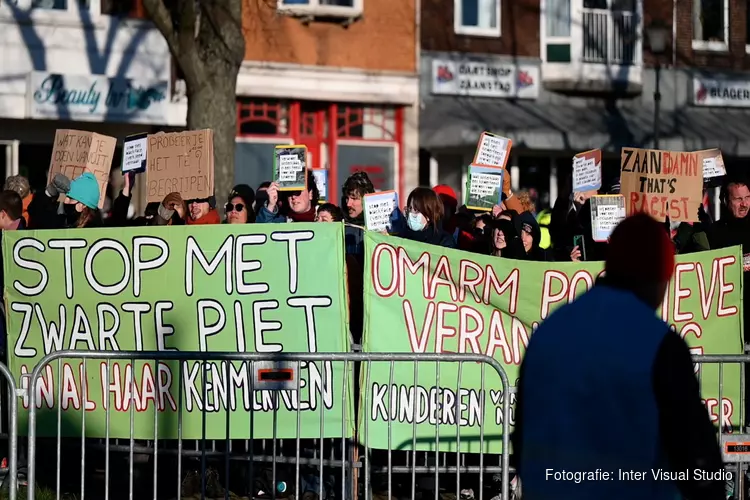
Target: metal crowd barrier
{"x": 733, "y": 435}
{"x": 347, "y": 473}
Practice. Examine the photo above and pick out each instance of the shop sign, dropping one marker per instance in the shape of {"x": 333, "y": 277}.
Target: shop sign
{"x": 485, "y": 79}
{"x": 721, "y": 93}
{"x": 97, "y": 98}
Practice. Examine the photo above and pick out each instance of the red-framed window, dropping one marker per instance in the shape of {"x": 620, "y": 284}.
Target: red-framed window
{"x": 340, "y": 137}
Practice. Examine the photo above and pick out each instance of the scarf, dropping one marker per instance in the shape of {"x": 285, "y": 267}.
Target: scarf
{"x": 212, "y": 217}
{"x": 308, "y": 216}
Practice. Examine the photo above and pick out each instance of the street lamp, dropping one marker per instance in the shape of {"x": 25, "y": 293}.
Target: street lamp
{"x": 658, "y": 34}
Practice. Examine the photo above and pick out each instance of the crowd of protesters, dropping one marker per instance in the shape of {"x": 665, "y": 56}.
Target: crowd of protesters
{"x": 511, "y": 229}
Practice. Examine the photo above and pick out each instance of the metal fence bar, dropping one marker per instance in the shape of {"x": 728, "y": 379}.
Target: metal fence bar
{"x": 347, "y": 460}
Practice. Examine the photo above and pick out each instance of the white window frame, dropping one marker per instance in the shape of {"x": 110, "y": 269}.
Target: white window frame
{"x": 460, "y": 29}
{"x": 315, "y": 8}
{"x": 713, "y": 46}
{"x": 545, "y": 39}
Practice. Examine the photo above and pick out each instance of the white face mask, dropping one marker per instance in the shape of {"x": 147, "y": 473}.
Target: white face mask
{"x": 416, "y": 222}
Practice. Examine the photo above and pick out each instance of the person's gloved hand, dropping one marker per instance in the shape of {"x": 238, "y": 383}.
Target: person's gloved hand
{"x": 60, "y": 185}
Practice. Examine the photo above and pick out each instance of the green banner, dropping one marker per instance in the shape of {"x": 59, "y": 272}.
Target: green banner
{"x": 250, "y": 288}
{"x": 422, "y": 298}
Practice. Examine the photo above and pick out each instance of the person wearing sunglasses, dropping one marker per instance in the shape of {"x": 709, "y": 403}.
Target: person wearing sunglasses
{"x": 239, "y": 210}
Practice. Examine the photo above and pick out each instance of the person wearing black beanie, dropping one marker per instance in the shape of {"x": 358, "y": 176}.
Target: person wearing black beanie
{"x": 239, "y": 209}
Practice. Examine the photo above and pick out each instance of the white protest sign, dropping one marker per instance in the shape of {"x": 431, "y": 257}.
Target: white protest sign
{"x": 492, "y": 150}
{"x": 712, "y": 168}
{"x": 320, "y": 175}
{"x": 289, "y": 165}
{"x": 485, "y": 184}
{"x": 587, "y": 171}
{"x": 607, "y": 211}
{"x": 134, "y": 153}
{"x": 379, "y": 208}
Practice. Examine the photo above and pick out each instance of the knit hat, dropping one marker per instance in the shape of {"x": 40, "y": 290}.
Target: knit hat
{"x": 446, "y": 194}
{"x": 85, "y": 189}
{"x": 19, "y": 184}
{"x": 245, "y": 192}
{"x": 640, "y": 250}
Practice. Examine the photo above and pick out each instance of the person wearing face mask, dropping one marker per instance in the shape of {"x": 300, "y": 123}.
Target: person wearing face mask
{"x": 424, "y": 212}
{"x": 239, "y": 209}
{"x": 301, "y": 204}
{"x": 79, "y": 209}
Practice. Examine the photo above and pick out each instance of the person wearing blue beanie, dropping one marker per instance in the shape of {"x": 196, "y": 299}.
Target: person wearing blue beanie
{"x": 82, "y": 202}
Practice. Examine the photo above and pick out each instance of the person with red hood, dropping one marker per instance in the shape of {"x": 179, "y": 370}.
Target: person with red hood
{"x": 629, "y": 402}
{"x": 463, "y": 239}
{"x": 301, "y": 204}
{"x": 202, "y": 211}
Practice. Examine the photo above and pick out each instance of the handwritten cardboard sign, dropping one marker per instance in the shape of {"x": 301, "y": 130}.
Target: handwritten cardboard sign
{"x": 587, "y": 172}
{"x": 378, "y": 210}
{"x": 181, "y": 162}
{"x": 485, "y": 188}
{"x": 662, "y": 183}
{"x": 76, "y": 152}
{"x": 607, "y": 211}
{"x": 492, "y": 150}
{"x": 290, "y": 167}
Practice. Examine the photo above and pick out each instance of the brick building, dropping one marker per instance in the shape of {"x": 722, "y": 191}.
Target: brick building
{"x": 338, "y": 76}
{"x": 564, "y": 76}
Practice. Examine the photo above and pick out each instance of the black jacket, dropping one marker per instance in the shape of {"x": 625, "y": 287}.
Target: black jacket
{"x": 430, "y": 234}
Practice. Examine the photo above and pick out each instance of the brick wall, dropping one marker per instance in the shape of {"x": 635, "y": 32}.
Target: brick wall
{"x": 382, "y": 40}
{"x": 734, "y": 59}
{"x": 519, "y": 29}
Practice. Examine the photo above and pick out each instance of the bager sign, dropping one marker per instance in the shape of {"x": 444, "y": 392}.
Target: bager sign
{"x": 721, "y": 93}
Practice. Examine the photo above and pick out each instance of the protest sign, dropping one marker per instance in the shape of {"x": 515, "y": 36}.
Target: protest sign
{"x": 492, "y": 150}
{"x": 223, "y": 288}
{"x": 134, "y": 158}
{"x": 379, "y": 208}
{"x": 485, "y": 187}
{"x": 428, "y": 299}
{"x": 587, "y": 172}
{"x": 607, "y": 210}
{"x": 320, "y": 175}
{"x": 290, "y": 167}
{"x": 76, "y": 152}
{"x": 661, "y": 183}
{"x": 713, "y": 166}
{"x": 181, "y": 162}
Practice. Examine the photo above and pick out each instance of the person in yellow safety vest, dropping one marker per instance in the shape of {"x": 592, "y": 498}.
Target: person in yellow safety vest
{"x": 544, "y": 218}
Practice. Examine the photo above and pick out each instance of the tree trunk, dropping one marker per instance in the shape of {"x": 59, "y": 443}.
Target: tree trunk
{"x": 207, "y": 41}
{"x": 214, "y": 106}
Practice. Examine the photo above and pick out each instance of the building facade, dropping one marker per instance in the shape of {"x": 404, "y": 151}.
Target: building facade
{"x": 563, "y": 76}
{"x": 95, "y": 66}
{"x": 339, "y": 77}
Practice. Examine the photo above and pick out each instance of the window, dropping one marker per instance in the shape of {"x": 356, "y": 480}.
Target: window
{"x": 116, "y": 8}
{"x": 557, "y": 26}
{"x": 477, "y": 17}
{"x": 711, "y": 24}
{"x": 323, "y": 8}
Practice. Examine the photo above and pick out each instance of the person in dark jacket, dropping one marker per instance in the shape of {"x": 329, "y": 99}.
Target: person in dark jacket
{"x": 170, "y": 212}
{"x": 79, "y": 209}
{"x": 623, "y": 406}
{"x": 301, "y": 204}
{"x": 531, "y": 237}
{"x": 424, "y": 213}
{"x": 353, "y": 192}
{"x": 504, "y": 240}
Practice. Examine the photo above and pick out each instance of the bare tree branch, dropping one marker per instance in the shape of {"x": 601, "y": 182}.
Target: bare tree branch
{"x": 225, "y": 20}
{"x": 161, "y": 17}
{"x": 190, "y": 63}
